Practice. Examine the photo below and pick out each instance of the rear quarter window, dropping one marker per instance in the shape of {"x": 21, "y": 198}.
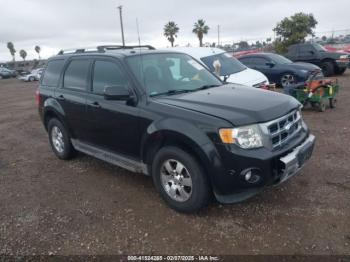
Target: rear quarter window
{"x": 52, "y": 73}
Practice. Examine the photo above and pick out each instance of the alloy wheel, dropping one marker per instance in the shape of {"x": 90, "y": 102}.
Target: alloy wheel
{"x": 176, "y": 180}
{"x": 287, "y": 80}
{"x": 57, "y": 139}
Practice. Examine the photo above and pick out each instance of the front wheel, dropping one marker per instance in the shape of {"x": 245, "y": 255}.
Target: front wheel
{"x": 180, "y": 180}
{"x": 327, "y": 68}
{"x": 341, "y": 71}
{"x": 332, "y": 102}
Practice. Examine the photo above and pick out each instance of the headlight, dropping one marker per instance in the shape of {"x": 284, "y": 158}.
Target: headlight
{"x": 246, "y": 137}
{"x": 344, "y": 57}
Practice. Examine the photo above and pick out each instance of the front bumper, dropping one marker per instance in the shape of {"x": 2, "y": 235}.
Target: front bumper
{"x": 274, "y": 169}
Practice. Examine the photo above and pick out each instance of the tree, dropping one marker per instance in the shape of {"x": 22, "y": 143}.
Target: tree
{"x": 170, "y": 31}
{"x": 200, "y": 29}
{"x": 243, "y": 45}
{"x": 37, "y": 49}
{"x": 294, "y": 30}
{"x": 12, "y": 50}
{"x": 23, "y": 54}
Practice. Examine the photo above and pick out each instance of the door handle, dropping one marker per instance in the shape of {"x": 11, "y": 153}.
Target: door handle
{"x": 61, "y": 97}
{"x": 95, "y": 104}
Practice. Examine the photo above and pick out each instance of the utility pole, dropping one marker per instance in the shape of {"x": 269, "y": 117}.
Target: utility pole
{"x": 218, "y": 35}
{"x": 121, "y": 23}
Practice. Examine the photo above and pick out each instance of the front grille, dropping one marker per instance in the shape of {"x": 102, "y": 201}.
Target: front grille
{"x": 282, "y": 130}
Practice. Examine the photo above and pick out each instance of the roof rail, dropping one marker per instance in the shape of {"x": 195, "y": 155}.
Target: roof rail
{"x": 116, "y": 47}
{"x": 104, "y": 48}
{"x": 79, "y": 50}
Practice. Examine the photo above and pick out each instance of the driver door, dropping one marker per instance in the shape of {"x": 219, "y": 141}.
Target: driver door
{"x": 112, "y": 125}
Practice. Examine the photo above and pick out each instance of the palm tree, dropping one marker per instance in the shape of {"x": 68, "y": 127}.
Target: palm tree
{"x": 23, "y": 54}
{"x": 200, "y": 29}
{"x": 37, "y": 49}
{"x": 12, "y": 50}
{"x": 170, "y": 31}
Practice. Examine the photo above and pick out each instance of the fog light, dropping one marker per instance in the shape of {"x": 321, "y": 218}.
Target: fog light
{"x": 251, "y": 175}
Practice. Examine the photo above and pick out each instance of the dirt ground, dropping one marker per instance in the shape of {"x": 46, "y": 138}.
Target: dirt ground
{"x": 86, "y": 206}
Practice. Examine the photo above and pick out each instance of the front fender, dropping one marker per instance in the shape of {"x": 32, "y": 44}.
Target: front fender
{"x": 186, "y": 134}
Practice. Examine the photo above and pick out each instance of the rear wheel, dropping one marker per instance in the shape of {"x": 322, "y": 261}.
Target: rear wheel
{"x": 0, "y": 77}
{"x": 327, "y": 68}
{"x": 31, "y": 79}
{"x": 60, "y": 140}
{"x": 180, "y": 180}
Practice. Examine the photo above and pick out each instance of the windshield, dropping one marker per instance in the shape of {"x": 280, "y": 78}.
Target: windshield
{"x": 319, "y": 47}
{"x": 167, "y": 73}
{"x": 229, "y": 64}
{"x": 278, "y": 59}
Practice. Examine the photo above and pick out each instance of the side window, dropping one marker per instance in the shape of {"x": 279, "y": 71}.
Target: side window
{"x": 76, "y": 74}
{"x": 246, "y": 61}
{"x": 259, "y": 61}
{"x": 306, "y": 50}
{"x": 52, "y": 73}
{"x": 107, "y": 74}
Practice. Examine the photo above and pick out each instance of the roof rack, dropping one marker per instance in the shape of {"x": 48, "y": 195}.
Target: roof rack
{"x": 104, "y": 48}
{"x": 116, "y": 47}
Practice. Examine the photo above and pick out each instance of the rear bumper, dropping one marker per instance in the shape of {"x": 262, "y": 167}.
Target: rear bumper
{"x": 273, "y": 168}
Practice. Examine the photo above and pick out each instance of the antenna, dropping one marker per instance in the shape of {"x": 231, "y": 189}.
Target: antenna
{"x": 142, "y": 74}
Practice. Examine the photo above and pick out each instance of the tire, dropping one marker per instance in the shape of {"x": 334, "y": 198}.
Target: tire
{"x": 186, "y": 191}
{"x": 332, "y": 102}
{"x": 60, "y": 140}
{"x": 31, "y": 79}
{"x": 322, "y": 106}
{"x": 0, "y": 77}
{"x": 287, "y": 79}
{"x": 341, "y": 71}
{"x": 327, "y": 68}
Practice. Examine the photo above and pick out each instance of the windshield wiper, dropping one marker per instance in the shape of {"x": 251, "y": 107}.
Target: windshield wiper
{"x": 173, "y": 92}
{"x": 205, "y": 87}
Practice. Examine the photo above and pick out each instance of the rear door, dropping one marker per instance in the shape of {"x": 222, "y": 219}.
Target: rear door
{"x": 72, "y": 94}
{"x": 112, "y": 125}
{"x": 307, "y": 53}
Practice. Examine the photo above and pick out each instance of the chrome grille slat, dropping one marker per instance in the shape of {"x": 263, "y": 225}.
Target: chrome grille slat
{"x": 280, "y": 131}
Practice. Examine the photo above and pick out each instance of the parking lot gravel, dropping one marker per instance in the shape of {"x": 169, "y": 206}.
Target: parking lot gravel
{"x": 86, "y": 206}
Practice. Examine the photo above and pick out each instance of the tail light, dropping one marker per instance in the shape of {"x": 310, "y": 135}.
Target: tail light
{"x": 37, "y": 97}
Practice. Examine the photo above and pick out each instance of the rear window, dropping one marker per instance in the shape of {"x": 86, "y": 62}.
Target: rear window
{"x": 76, "y": 74}
{"x": 52, "y": 73}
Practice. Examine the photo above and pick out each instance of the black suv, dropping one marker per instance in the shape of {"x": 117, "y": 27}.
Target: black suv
{"x": 163, "y": 114}
{"x": 330, "y": 62}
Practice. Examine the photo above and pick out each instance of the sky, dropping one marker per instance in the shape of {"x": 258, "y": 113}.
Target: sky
{"x": 67, "y": 24}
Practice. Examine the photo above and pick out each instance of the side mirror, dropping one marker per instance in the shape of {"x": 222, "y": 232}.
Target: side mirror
{"x": 117, "y": 93}
{"x": 270, "y": 64}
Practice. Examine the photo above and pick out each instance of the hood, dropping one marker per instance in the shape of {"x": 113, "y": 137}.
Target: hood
{"x": 237, "y": 104}
{"x": 304, "y": 66}
{"x": 335, "y": 55}
{"x": 247, "y": 77}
